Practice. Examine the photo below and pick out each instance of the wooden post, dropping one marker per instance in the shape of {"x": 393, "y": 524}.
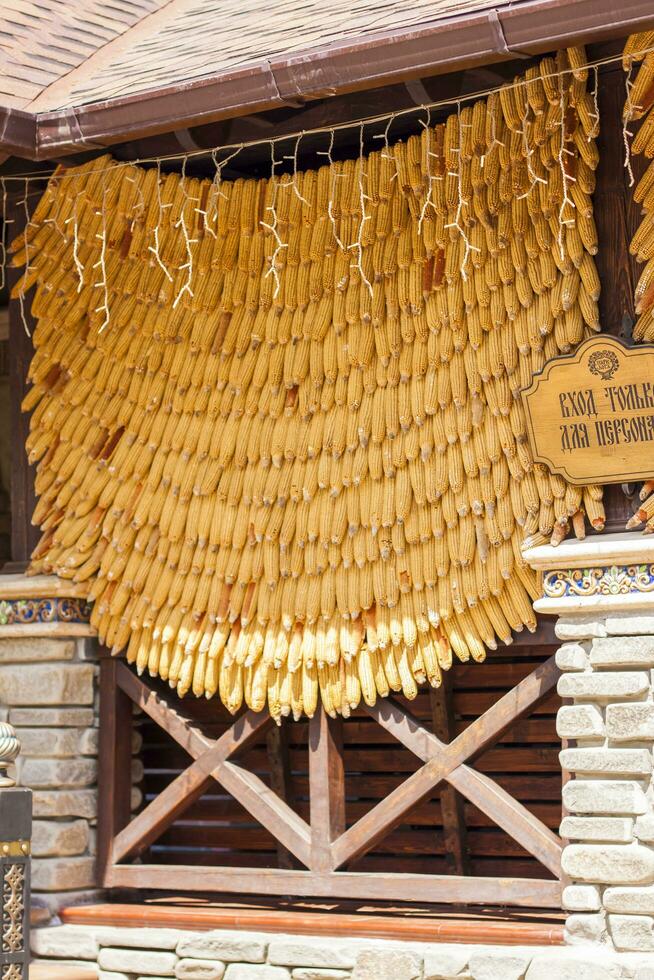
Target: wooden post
{"x": 326, "y": 787}
{"x": 115, "y": 765}
{"x": 280, "y": 778}
{"x": 454, "y": 827}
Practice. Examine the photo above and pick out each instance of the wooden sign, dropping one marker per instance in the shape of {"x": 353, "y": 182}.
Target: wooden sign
{"x": 590, "y": 414}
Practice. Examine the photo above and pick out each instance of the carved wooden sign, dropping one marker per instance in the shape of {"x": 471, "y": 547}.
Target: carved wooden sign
{"x": 590, "y": 415}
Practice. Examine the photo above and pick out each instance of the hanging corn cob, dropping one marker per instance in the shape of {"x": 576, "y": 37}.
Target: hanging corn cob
{"x": 294, "y": 467}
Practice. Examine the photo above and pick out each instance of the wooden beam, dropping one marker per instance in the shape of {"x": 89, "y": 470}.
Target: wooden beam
{"x": 362, "y": 836}
{"x": 114, "y": 765}
{"x": 210, "y": 763}
{"x": 326, "y": 787}
{"x": 280, "y": 778}
{"x": 519, "y": 822}
{"x": 162, "y": 711}
{"x": 520, "y": 892}
{"x": 454, "y": 827}
{"x": 265, "y": 806}
{"x": 440, "y": 759}
{"x": 189, "y": 785}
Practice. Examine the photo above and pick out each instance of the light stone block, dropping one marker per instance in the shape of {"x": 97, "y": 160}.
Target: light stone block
{"x": 86, "y": 965}
{"x": 583, "y": 929}
{"x": 59, "y": 874}
{"x": 288, "y": 951}
{"x": 89, "y": 741}
{"x": 55, "y": 773}
{"x": 231, "y": 947}
{"x": 446, "y": 962}
{"x": 629, "y": 624}
{"x": 589, "y": 965}
{"x": 582, "y": 898}
{"x": 571, "y": 656}
{"x": 319, "y": 973}
{"x": 104, "y": 975}
{"x": 62, "y": 941}
{"x": 63, "y": 743}
{"x": 579, "y": 721}
{"x": 614, "y": 685}
{"x": 65, "y": 803}
{"x": 488, "y": 964}
{"x": 645, "y": 828}
{"x": 51, "y": 717}
{"x": 630, "y": 901}
{"x": 245, "y": 971}
{"x": 632, "y": 932}
{"x": 385, "y": 964}
{"x": 52, "y": 837}
{"x": 26, "y": 649}
{"x": 139, "y": 938}
{"x": 200, "y": 970}
{"x": 610, "y": 864}
{"x": 579, "y": 627}
{"x": 142, "y": 962}
{"x": 630, "y": 722}
{"x": 622, "y": 651}
{"x": 42, "y": 684}
{"x": 607, "y": 762}
{"x": 610, "y": 829}
{"x": 604, "y": 796}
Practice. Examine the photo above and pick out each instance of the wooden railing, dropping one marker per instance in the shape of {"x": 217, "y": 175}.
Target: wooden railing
{"x": 324, "y": 845}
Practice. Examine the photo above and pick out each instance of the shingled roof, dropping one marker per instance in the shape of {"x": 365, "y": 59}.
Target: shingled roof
{"x": 97, "y": 72}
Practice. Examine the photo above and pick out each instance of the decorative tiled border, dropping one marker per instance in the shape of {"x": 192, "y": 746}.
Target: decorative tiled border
{"x": 611, "y": 580}
{"x": 28, "y": 611}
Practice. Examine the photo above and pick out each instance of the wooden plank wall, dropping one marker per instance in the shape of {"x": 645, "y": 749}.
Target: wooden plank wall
{"x": 216, "y": 830}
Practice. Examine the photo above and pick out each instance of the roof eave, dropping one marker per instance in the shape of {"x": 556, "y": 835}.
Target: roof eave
{"x": 529, "y": 28}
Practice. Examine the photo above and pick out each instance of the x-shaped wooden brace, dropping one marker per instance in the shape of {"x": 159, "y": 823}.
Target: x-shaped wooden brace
{"x": 211, "y": 761}
{"x": 326, "y": 845}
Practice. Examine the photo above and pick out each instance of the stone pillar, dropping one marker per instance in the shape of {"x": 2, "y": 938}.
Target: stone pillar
{"x": 49, "y": 694}
{"x": 602, "y": 590}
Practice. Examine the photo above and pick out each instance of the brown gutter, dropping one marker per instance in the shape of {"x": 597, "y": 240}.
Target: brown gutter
{"x": 17, "y": 132}
{"x": 499, "y": 34}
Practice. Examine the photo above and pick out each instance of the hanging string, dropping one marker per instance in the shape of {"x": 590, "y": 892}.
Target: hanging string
{"x": 566, "y": 200}
{"x": 22, "y": 289}
{"x": 188, "y": 242}
{"x": 458, "y": 222}
{"x": 363, "y": 197}
{"x": 155, "y": 249}
{"x": 426, "y": 125}
{"x": 627, "y": 116}
{"x": 272, "y": 225}
{"x": 210, "y": 213}
{"x": 293, "y": 157}
{"x": 102, "y": 262}
{"x": 79, "y": 268}
{"x": 528, "y": 151}
{"x": 596, "y": 113}
{"x": 332, "y": 187}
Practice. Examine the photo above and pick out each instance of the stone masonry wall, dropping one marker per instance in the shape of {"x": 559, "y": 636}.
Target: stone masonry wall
{"x": 146, "y": 954}
{"x": 48, "y": 692}
{"x": 608, "y": 725}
